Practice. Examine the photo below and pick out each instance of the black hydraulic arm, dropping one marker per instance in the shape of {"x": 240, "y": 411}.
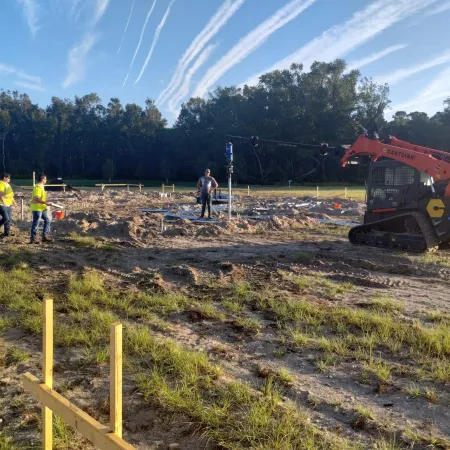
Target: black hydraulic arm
{"x": 254, "y": 140}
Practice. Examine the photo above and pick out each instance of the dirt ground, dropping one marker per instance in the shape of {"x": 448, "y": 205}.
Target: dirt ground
{"x": 289, "y": 254}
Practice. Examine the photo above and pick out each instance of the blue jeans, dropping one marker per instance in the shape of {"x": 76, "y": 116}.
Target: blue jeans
{"x": 6, "y": 218}
{"x": 37, "y": 216}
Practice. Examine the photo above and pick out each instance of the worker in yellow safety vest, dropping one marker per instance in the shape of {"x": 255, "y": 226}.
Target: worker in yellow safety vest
{"x": 6, "y": 203}
{"x": 39, "y": 209}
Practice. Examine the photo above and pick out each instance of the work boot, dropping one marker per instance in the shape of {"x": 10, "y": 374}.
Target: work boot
{"x": 45, "y": 238}
{"x": 33, "y": 241}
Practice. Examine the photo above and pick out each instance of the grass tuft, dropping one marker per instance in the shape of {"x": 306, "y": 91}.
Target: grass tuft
{"x": 16, "y": 356}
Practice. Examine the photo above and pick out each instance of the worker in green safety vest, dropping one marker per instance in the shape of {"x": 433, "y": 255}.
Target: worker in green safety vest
{"x": 6, "y": 203}
{"x": 39, "y": 209}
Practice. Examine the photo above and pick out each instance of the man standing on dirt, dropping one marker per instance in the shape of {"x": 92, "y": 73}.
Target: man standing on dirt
{"x": 6, "y": 203}
{"x": 206, "y": 184}
{"x": 39, "y": 209}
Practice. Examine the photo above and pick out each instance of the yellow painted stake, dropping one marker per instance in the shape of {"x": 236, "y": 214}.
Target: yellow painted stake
{"x": 115, "y": 395}
{"x": 47, "y": 372}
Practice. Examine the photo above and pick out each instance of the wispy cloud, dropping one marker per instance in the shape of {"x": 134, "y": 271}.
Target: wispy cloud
{"x": 31, "y": 86}
{"x": 439, "y": 9}
{"x": 24, "y": 79}
{"x": 155, "y": 41}
{"x": 76, "y": 8}
{"x": 126, "y": 26}
{"x": 341, "y": 39}
{"x": 358, "y": 64}
{"x": 250, "y": 43}
{"x": 6, "y": 70}
{"x": 216, "y": 23}
{"x": 183, "y": 91}
{"x": 100, "y": 7}
{"x": 30, "y": 11}
{"x": 32, "y": 78}
{"x": 140, "y": 41}
{"x": 431, "y": 98}
{"x": 401, "y": 74}
{"x": 76, "y": 67}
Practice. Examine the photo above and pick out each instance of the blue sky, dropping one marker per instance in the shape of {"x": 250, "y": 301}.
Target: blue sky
{"x": 169, "y": 50}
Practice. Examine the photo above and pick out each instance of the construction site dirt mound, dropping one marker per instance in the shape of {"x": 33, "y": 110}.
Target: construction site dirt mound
{"x": 279, "y": 223}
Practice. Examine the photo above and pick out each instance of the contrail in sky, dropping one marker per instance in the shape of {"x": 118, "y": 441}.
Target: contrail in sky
{"x": 216, "y": 23}
{"x": 341, "y": 39}
{"x": 174, "y": 102}
{"x": 250, "y": 43}
{"x": 352, "y": 65}
{"x": 126, "y": 27}
{"x": 155, "y": 41}
{"x": 140, "y": 41}
{"x": 401, "y": 74}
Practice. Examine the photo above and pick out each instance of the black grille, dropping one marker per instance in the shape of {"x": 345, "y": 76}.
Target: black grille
{"x": 393, "y": 176}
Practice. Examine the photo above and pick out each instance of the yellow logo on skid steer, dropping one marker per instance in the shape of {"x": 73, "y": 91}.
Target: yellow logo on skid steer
{"x": 436, "y": 208}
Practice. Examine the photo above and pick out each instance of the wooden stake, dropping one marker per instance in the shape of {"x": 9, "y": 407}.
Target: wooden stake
{"x": 317, "y": 191}
{"x": 115, "y": 396}
{"x": 47, "y": 372}
{"x": 34, "y": 179}
{"x": 248, "y": 190}
{"x": 346, "y": 193}
{"x": 21, "y": 210}
{"x": 163, "y": 188}
{"x": 82, "y": 422}
{"x": 173, "y": 188}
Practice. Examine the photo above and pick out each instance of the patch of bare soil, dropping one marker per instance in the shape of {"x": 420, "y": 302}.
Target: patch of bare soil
{"x": 236, "y": 268}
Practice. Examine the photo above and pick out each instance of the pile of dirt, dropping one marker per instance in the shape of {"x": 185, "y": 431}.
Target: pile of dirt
{"x": 103, "y": 225}
{"x": 106, "y": 200}
{"x": 282, "y": 223}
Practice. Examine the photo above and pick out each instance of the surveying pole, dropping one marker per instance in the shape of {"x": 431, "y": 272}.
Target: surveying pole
{"x": 229, "y": 157}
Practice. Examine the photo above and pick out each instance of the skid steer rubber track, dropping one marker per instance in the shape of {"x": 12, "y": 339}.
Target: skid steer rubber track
{"x": 371, "y": 234}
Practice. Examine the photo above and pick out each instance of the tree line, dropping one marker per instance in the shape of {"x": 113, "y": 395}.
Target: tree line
{"x": 83, "y": 138}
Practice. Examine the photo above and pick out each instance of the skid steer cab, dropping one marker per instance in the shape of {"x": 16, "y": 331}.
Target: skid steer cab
{"x": 408, "y": 195}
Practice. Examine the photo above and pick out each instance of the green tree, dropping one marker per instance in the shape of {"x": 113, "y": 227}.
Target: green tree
{"x": 108, "y": 169}
{"x": 5, "y": 120}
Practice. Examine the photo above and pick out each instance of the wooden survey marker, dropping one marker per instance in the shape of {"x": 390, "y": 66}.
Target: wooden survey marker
{"x": 103, "y": 437}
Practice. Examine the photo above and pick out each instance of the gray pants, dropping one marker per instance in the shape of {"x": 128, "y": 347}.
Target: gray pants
{"x": 206, "y": 200}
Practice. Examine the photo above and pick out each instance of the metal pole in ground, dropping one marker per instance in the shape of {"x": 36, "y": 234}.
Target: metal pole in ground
{"x": 229, "y": 156}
